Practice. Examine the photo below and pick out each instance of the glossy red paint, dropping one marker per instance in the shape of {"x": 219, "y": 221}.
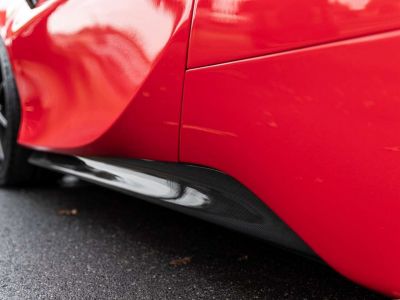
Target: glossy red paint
{"x": 315, "y": 134}
{"x": 225, "y": 30}
{"x": 101, "y": 78}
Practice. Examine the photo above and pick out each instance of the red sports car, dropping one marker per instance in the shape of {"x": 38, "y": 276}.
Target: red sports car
{"x": 277, "y": 118}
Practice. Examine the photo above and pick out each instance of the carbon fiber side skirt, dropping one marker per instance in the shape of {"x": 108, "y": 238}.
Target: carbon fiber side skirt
{"x": 197, "y": 191}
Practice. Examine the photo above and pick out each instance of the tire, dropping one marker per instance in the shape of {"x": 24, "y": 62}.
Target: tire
{"x": 14, "y": 166}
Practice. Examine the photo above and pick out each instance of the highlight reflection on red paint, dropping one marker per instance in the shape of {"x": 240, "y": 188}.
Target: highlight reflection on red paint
{"x": 94, "y": 66}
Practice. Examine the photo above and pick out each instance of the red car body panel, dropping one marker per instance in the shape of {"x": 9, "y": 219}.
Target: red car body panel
{"x": 64, "y": 58}
{"x": 313, "y": 132}
{"x": 225, "y": 30}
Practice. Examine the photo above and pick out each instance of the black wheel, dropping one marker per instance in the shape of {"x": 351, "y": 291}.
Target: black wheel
{"x": 14, "y": 166}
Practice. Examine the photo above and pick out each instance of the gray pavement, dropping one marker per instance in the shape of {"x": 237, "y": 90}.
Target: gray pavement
{"x": 85, "y": 242}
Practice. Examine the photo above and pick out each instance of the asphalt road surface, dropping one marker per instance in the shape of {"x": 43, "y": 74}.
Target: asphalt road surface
{"x": 84, "y": 242}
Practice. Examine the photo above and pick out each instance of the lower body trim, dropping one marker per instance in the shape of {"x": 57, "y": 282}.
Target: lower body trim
{"x": 197, "y": 191}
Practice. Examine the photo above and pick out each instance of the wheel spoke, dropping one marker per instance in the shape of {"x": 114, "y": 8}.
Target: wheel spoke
{"x": 3, "y": 120}
{"x": 1, "y": 151}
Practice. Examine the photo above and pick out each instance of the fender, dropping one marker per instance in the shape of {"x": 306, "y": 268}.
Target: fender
{"x": 95, "y": 84}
